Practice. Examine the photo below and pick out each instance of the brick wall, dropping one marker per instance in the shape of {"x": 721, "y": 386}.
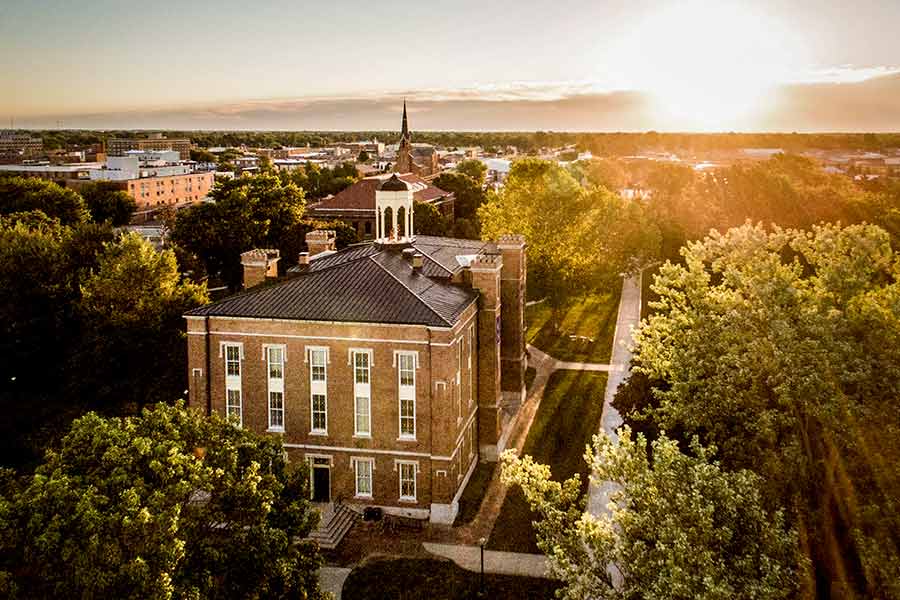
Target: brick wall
{"x": 445, "y": 415}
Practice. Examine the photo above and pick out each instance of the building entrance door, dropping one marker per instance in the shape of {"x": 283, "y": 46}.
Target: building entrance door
{"x": 321, "y": 483}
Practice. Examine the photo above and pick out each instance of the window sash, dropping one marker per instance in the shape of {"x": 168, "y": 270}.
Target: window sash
{"x": 319, "y": 413}
{"x": 275, "y": 359}
{"x": 361, "y": 368}
{"x": 407, "y": 418}
{"x": 363, "y": 477}
{"x": 317, "y": 365}
{"x": 407, "y": 480}
{"x": 232, "y": 361}
{"x": 276, "y": 410}
{"x": 233, "y": 406}
{"x": 363, "y": 415}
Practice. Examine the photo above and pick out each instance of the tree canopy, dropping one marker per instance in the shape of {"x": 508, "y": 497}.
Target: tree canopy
{"x": 107, "y": 203}
{"x": 167, "y": 504}
{"x": 21, "y": 194}
{"x": 782, "y": 349}
{"x": 679, "y": 526}
{"x": 474, "y": 168}
{"x": 579, "y": 238}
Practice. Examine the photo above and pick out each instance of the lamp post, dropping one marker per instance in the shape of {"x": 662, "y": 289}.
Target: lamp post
{"x": 481, "y": 543}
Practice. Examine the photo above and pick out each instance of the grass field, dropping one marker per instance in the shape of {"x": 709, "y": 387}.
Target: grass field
{"x": 433, "y": 579}
{"x": 585, "y": 332}
{"x": 567, "y": 419}
{"x": 471, "y": 498}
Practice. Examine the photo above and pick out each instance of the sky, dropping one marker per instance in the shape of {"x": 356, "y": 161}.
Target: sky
{"x": 667, "y": 65}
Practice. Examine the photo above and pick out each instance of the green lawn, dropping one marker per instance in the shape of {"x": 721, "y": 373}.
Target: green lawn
{"x": 471, "y": 498}
{"x": 567, "y": 419}
{"x": 434, "y": 579}
{"x": 586, "y": 330}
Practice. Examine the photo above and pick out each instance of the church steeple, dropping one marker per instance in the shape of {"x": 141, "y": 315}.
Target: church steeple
{"x": 404, "y": 131}
{"x": 404, "y": 152}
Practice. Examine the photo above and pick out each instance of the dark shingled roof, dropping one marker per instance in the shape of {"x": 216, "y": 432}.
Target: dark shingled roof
{"x": 365, "y": 283}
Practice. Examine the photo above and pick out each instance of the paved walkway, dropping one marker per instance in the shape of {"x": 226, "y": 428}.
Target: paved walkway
{"x": 332, "y": 580}
{"x": 501, "y": 563}
{"x": 628, "y": 319}
{"x": 553, "y": 364}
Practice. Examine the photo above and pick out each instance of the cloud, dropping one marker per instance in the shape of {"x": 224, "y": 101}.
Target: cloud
{"x": 834, "y": 102}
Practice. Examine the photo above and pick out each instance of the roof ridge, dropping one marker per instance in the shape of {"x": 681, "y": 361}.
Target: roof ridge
{"x": 415, "y": 295}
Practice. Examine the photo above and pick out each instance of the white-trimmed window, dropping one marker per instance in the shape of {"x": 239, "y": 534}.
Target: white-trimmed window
{"x": 275, "y": 359}
{"x": 406, "y": 379}
{"x": 361, "y": 362}
{"x": 363, "y": 469}
{"x": 459, "y": 354}
{"x": 471, "y": 352}
{"x": 233, "y": 405}
{"x": 233, "y": 353}
{"x": 317, "y": 357}
{"x": 407, "y": 475}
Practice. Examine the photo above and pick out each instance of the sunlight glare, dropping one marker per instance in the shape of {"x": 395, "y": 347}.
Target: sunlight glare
{"x": 708, "y": 65}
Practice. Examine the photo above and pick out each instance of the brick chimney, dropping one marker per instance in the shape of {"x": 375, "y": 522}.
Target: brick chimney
{"x": 512, "y": 322}
{"x": 485, "y": 271}
{"x": 259, "y": 264}
{"x": 320, "y": 240}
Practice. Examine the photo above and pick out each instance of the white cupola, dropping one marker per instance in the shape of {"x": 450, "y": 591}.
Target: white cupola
{"x": 394, "y": 211}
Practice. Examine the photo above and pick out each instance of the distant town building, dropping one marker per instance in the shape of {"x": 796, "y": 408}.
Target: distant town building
{"x": 418, "y": 159}
{"x": 389, "y": 367}
{"x": 157, "y": 141}
{"x": 15, "y": 147}
{"x": 355, "y": 205}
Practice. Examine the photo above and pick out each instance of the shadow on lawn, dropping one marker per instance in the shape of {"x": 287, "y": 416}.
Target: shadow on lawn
{"x": 566, "y": 421}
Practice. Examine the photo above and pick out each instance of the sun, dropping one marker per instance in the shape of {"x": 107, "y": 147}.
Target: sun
{"x": 707, "y": 66}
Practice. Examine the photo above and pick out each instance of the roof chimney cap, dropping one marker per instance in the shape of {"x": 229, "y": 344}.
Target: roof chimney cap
{"x": 417, "y": 260}
{"x": 303, "y": 258}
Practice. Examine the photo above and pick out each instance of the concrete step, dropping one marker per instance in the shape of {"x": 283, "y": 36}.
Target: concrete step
{"x": 329, "y": 534}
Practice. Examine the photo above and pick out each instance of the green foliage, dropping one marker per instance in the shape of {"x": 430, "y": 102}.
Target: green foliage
{"x": 318, "y": 182}
{"x": 107, "y": 203}
{"x": 202, "y": 155}
{"x": 168, "y": 504}
{"x": 783, "y": 350}
{"x": 579, "y": 239}
{"x": 474, "y": 168}
{"x": 363, "y": 156}
{"x": 249, "y": 212}
{"x": 20, "y": 194}
{"x": 678, "y": 526}
{"x": 88, "y": 321}
{"x": 469, "y": 195}
{"x": 428, "y": 220}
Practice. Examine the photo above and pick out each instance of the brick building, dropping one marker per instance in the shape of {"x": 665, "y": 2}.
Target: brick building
{"x": 154, "y": 142}
{"x": 390, "y": 366}
{"x": 355, "y": 205}
{"x": 419, "y": 159}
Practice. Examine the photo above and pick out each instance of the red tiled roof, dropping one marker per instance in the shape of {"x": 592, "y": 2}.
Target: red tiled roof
{"x": 361, "y": 195}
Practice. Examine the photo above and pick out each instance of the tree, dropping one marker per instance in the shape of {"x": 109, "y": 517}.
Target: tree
{"x": 428, "y": 220}
{"x": 20, "y": 194}
{"x": 578, "y": 238}
{"x": 474, "y": 168}
{"x": 678, "y": 526}
{"x": 202, "y": 155}
{"x": 168, "y": 504}
{"x": 249, "y": 212}
{"x": 363, "y": 156}
{"x": 132, "y": 347}
{"x": 782, "y": 349}
{"x": 108, "y": 203}
{"x": 468, "y": 194}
